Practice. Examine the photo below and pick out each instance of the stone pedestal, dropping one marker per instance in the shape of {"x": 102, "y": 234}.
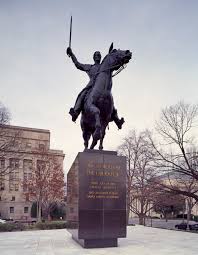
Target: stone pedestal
{"x": 96, "y": 198}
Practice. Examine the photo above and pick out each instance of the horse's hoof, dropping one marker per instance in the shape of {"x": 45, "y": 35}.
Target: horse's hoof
{"x": 100, "y": 147}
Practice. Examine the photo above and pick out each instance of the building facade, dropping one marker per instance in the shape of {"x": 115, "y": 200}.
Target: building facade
{"x": 184, "y": 183}
{"x": 21, "y": 149}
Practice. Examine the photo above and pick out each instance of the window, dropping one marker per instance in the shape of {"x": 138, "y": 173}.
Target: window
{"x": 27, "y": 165}
{"x": 13, "y": 198}
{"x": 14, "y": 174}
{"x": 2, "y": 163}
{"x": 25, "y": 209}
{"x": 16, "y": 186}
{"x": 27, "y": 169}
{"x": 2, "y": 166}
{"x": 14, "y": 180}
{"x": 27, "y": 172}
{"x": 11, "y": 209}
{"x": 27, "y": 197}
{"x": 41, "y": 147}
{"x": 11, "y": 176}
{"x": 25, "y": 188}
{"x": 2, "y": 185}
{"x": 14, "y": 163}
{"x": 11, "y": 186}
{"x": 25, "y": 176}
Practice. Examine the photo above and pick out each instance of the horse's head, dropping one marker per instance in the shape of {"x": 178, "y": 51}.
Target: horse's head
{"x": 117, "y": 58}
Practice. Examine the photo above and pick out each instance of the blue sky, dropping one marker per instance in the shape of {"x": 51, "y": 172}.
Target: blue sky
{"x": 39, "y": 83}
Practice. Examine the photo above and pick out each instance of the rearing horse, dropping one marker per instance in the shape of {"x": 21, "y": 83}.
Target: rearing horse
{"x": 98, "y": 103}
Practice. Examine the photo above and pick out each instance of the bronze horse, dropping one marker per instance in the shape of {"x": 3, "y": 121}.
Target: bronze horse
{"x": 98, "y": 103}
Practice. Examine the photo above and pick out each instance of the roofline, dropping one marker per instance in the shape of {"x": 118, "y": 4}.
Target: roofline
{"x": 26, "y": 128}
{"x": 48, "y": 152}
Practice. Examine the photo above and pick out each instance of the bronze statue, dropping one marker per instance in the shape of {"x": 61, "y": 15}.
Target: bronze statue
{"x": 92, "y": 71}
{"x": 95, "y": 101}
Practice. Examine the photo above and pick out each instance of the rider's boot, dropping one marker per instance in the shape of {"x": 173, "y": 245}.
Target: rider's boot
{"x": 74, "y": 114}
{"x": 119, "y": 122}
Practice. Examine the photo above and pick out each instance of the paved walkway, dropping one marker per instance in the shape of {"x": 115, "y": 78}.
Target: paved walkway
{"x": 140, "y": 241}
{"x": 161, "y": 223}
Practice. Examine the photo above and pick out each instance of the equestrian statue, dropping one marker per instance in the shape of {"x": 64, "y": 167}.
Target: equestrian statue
{"x": 95, "y": 101}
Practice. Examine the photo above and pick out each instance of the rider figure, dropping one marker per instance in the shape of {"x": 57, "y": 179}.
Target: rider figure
{"x": 92, "y": 71}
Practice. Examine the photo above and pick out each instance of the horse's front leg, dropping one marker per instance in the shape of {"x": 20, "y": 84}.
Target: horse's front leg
{"x": 102, "y": 137}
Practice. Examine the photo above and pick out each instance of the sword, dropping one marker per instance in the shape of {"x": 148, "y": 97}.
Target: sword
{"x": 70, "y": 34}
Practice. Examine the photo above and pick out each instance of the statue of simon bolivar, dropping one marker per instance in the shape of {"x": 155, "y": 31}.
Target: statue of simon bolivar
{"x": 92, "y": 70}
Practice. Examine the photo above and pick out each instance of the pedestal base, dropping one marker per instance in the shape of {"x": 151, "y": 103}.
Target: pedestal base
{"x": 97, "y": 243}
{"x": 96, "y": 198}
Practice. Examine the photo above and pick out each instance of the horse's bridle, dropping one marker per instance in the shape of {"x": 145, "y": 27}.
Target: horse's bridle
{"x": 122, "y": 67}
{"x": 120, "y": 70}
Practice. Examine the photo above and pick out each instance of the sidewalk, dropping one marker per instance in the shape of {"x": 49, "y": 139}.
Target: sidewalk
{"x": 160, "y": 223}
{"x": 140, "y": 241}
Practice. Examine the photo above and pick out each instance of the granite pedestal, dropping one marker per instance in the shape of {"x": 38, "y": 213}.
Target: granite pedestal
{"x": 96, "y": 198}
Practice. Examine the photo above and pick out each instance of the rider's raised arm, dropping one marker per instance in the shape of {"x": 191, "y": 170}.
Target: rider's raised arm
{"x": 82, "y": 67}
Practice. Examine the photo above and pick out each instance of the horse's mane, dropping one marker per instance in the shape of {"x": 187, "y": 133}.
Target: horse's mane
{"x": 104, "y": 58}
{"x": 108, "y": 55}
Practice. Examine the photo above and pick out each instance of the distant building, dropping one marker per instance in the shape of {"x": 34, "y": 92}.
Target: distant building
{"x": 183, "y": 182}
{"x": 20, "y": 149}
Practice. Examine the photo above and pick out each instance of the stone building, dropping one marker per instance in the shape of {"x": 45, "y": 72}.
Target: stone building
{"x": 172, "y": 179}
{"x": 20, "y": 150}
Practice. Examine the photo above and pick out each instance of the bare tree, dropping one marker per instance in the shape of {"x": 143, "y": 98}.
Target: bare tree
{"x": 9, "y": 143}
{"x": 140, "y": 173}
{"x": 45, "y": 185}
{"x": 5, "y": 115}
{"x": 174, "y": 151}
{"x": 127, "y": 149}
{"x": 168, "y": 204}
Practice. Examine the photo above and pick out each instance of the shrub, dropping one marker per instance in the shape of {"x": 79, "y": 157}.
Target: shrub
{"x": 34, "y": 210}
{"x": 71, "y": 225}
{"x": 58, "y": 210}
{"x": 195, "y": 218}
{"x": 8, "y": 227}
{"x": 55, "y": 225}
{"x": 51, "y": 225}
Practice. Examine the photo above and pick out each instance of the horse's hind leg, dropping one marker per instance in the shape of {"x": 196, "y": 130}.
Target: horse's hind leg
{"x": 96, "y": 136}
{"x": 86, "y": 137}
{"x": 101, "y": 143}
{"x": 96, "y": 112}
{"x": 97, "y": 133}
{"x": 93, "y": 144}
{"x": 102, "y": 138}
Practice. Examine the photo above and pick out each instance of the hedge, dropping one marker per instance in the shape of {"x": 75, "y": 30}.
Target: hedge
{"x": 54, "y": 225}
{"x": 8, "y": 227}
